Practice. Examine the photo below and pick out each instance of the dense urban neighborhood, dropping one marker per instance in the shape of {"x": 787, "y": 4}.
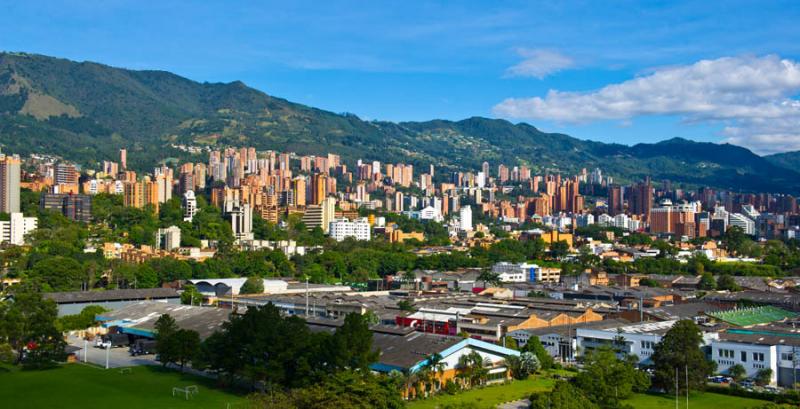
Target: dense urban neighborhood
{"x": 399, "y": 205}
{"x": 307, "y": 281}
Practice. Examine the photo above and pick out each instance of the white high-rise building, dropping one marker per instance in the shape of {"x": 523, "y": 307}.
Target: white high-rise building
{"x": 465, "y": 218}
{"x": 430, "y": 213}
{"x": 189, "y": 206}
{"x": 168, "y": 239}
{"x": 241, "y": 216}
{"x": 747, "y": 225}
{"x": 14, "y": 230}
{"x": 341, "y": 229}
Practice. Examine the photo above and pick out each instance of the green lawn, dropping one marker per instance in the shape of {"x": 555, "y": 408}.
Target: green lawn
{"x": 696, "y": 401}
{"x": 80, "y": 386}
{"x": 489, "y": 396}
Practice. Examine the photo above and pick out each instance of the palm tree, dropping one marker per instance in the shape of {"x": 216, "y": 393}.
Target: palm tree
{"x": 424, "y": 380}
{"x": 437, "y": 365}
{"x": 464, "y": 368}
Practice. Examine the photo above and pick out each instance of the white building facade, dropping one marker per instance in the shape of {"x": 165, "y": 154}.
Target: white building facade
{"x": 14, "y": 230}
{"x": 341, "y": 229}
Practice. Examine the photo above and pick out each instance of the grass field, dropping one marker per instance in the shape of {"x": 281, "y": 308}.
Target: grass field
{"x": 80, "y": 386}
{"x": 489, "y": 396}
{"x": 696, "y": 401}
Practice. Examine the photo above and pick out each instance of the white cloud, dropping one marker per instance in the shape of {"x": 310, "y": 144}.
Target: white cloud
{"x": 539, "y": 63}
{"x": 751, "y": 96}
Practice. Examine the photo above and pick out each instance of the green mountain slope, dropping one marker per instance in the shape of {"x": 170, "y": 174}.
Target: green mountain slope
{"x": 85, "y": 111}
{"x": 788, "y": 160}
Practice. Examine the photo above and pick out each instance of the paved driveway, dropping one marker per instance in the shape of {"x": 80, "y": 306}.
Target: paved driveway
{"x": 517, "y": 404}
{"x": 117, "y": 357}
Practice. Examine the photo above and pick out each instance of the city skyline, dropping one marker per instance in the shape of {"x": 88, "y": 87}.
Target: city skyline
{"x": 639, "y": 73}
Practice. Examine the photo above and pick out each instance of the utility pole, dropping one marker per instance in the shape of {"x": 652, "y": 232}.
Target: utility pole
{"x": 687, "y": 386}
{"x": 85, "y": 349}
{"x": 108, "y": 352}
{"x": 306, "y": 296}
{"x": 676, "y": 387}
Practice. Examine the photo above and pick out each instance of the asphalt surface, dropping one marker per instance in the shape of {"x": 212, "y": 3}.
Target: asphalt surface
{"x": 117, "y": 357}
{"x": 517, "y": 404}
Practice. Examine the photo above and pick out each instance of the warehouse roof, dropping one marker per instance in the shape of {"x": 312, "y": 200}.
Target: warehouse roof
{"x": 70, "y": 297}
{"x": 140, "y": 318}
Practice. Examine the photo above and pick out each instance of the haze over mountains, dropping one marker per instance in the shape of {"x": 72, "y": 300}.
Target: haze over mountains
{"x": 86, "y": 111}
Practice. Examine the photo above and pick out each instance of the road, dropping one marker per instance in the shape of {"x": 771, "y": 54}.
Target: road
{"x": 517, "y": 404}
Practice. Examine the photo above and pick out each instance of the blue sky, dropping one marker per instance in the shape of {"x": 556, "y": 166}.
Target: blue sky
{"x": 624, "y": 72}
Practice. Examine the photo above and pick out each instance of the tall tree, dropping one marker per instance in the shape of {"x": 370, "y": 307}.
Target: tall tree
{"x": 563, "y": 396}
{"x": 607, "y": 380}
{"x": 680, "y": 348}
{"x": 186, "y": 346}
{"x": 535, "y": 346}
{"x": 167, "y": 349}
{"x": 28, "y": 325}
{"x": 253, "y": 285}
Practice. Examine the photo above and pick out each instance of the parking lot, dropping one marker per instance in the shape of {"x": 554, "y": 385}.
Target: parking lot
{"x": 117, "y": 357}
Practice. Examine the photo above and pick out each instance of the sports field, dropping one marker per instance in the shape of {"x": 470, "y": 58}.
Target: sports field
{"x": 80, "y": 386}
{"x": 745, "y": 317}
{"x": 696, "y": 401}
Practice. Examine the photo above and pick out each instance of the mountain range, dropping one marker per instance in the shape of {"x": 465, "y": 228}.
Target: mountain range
{"x": 85, "y": 112}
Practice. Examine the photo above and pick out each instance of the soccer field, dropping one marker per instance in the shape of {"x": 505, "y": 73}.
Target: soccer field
{"x": 696, "y": 401}
{"x": 80, "y": 386}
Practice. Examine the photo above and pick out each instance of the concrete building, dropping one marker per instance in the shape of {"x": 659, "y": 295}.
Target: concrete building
{"x": 73, "y": 206}
{"x": 241, "y": 217}
{"x": 189, "y": 204}
{"x": 320, "y": 215}
{"x": 14, "y": 230}
{"x": 341, "y": 229}
{"x": 515, "y": 272}
{"x": 169, "y": 238}
{"x": 9, "y": 183}
{"x": 747, "y": 225}
{"x": 465, "y": 219}
{"x": 773, "y": 347}
{"x": 637, "y": 339}
{"x": 232, "y": 286}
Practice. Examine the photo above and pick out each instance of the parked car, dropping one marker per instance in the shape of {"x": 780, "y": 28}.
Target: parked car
{"x": 143, "y": 347}
{"x": 747, "y": 383}
{"x": 719, "y": 379}
{"x": 112, "y": 341}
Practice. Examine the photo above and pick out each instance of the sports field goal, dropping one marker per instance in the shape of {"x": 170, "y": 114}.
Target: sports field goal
{"x": 187, "y": 392}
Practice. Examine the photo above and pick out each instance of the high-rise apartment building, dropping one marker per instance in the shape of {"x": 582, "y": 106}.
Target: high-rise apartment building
{"x": 189, "y": 204}
{"x": 615, "y": 205}
{"x": 9, "y": 183}
{"x": 66, "y": 174}
{"x": 73, "y": 206}
{"x": 123, "y": 158}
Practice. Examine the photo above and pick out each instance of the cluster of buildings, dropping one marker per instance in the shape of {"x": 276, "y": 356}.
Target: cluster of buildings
{"x": 328, "y": 194}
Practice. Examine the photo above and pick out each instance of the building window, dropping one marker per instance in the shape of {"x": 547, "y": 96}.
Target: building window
{"x": 787, "y": 357}
{"x": 744, "y": 356}
{"x": 758, "y": 356}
